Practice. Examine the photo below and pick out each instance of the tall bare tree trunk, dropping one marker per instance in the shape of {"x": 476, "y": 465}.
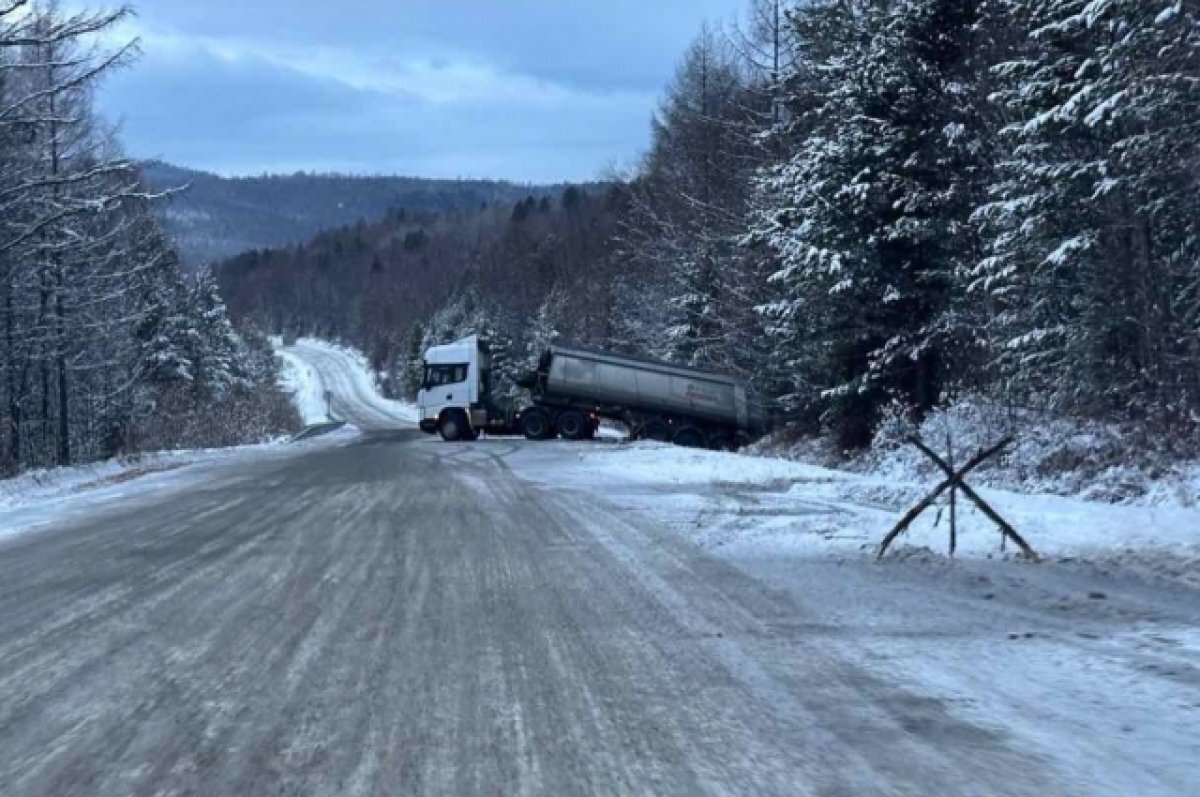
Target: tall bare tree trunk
{"x": 14, "y": 395}
{"x": 64, "y": 393}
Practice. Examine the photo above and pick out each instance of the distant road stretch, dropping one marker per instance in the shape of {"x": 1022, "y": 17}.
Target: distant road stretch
{"x": 355, "y": 399}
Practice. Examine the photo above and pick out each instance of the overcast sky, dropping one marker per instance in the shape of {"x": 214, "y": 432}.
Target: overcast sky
{"x": 529, "y": 90}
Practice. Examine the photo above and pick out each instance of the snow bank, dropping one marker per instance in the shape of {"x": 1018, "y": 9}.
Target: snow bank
{"x": 662, "y": 463}
{"x": 40, "y": 485}
{"x": 1096, "y": 461}
{"x": 304, "y": 386}
{"x": 41, "y": 497}
{"x": 46, "y": 497}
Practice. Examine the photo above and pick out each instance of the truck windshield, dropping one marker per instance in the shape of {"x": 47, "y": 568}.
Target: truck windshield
{"x": 438, "y": 375}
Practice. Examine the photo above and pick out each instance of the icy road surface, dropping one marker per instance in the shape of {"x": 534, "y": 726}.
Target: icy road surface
{"x": 394, "y": 616}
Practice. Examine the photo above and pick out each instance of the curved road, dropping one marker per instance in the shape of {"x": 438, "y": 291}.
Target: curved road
{"x": 394, "y": 615}
{"x": 355, "y": 399}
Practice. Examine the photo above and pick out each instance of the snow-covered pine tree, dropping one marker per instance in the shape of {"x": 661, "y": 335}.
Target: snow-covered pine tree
{"x": 1093, "y": 219}
{"x": 219, "y": 358}
{"x": 868, "y": 217}
{"x": 546, "y": 328}
{"x": 167, "y": 335}
{"x": 409, "y": 368}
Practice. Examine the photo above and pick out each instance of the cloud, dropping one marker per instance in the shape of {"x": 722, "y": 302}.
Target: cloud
{"x": 234, "y": 110}
{"x": 442, "y": 78}
{"x": 524, "y": 89}
{"x": 611, "y": 44}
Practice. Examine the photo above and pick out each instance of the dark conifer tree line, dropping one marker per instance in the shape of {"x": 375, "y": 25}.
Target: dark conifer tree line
{"x": 105, "y": 347}
{"x": 862, "y": 206}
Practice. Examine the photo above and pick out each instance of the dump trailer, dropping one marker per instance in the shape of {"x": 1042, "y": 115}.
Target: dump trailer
{"x": 573, "y": 389}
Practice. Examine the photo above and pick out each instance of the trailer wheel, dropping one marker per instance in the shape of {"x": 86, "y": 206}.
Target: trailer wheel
{"x": 657, "y": 431}
{"x": 689, "y": 437}
{"x": 721, "y": 441}
{"x": 454, "y": 427}
{"x": 535, "y": 425}
{"x": 573, "y": 425}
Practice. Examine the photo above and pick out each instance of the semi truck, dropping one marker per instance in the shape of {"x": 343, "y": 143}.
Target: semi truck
{"x": 572, "y": 389}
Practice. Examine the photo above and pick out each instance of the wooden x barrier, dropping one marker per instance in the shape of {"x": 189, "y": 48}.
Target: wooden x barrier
{"x": 954, "y": 482}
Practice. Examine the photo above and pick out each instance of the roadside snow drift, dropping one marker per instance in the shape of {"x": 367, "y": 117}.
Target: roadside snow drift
{"x": 43, "y": 498}
{"x": 770, "y": 506}
{"x": 300, "y": 382}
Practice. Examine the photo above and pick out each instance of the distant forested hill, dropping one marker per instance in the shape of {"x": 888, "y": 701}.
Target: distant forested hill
{"x": 219, "y": 217}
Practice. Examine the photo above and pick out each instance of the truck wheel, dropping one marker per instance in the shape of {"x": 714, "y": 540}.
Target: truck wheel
{"x": 657, "y": 431}
{"x": 573, "y": 425}
{"x": 689, "y": 437}
{"x": 535, "y": 425}
{"x": 454, "y": 428}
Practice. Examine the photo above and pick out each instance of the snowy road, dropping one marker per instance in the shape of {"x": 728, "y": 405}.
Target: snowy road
{"x": 389, "y": 614}
{"x": 355, "y": 399}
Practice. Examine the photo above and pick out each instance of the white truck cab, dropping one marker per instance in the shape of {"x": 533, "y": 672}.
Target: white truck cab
{"x": 451, "y": 388}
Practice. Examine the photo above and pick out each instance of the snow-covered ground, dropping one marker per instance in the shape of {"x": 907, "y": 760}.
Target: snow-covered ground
{"x": 1088, "y": 662}
{"x": 765, "y": 506}
{"x": 1050, "y": 454}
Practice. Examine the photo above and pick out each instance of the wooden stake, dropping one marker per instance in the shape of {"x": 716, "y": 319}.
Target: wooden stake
{"x": 953, "y": 498}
